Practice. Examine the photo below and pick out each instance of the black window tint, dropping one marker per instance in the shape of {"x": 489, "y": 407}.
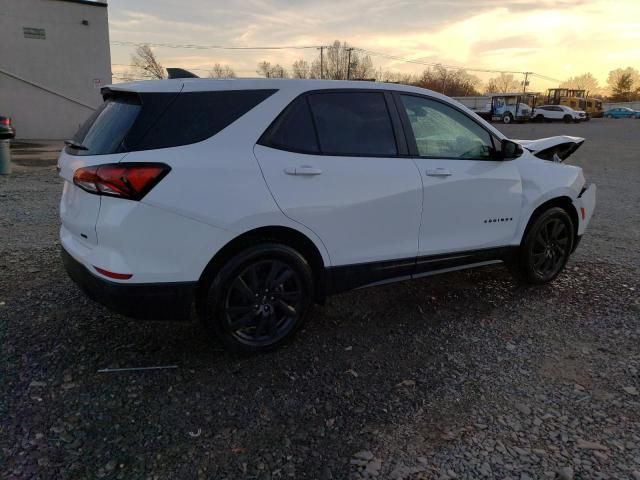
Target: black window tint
{"x": 293, "y": 130}
{"x": 196, "y": 116}
{"x": 103, "y": 132}
{"x": 353, "y": 123}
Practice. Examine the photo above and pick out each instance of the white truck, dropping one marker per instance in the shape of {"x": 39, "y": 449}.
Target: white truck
{"x": 501, "y": 107}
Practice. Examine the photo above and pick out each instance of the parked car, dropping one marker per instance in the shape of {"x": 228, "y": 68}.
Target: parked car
{"x": 253, "y": 199}
{"x": 7, "y": 131}
{"x": 559, "y": 112}
{"x": 622, "y": 112}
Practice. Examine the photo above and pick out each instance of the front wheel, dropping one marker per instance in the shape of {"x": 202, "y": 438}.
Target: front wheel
{"x": 545, "y": 250}
{"x": 507, "y": 118}
{"x": 260, "y": 298}
{"x": 568, "y": 119}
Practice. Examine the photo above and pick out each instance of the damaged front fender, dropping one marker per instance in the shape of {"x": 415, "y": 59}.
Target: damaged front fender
{"x": 556, "y": 149}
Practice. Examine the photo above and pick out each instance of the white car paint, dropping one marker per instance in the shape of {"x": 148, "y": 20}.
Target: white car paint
{"x": 558, "y": 112}
{"x": 357, "y": 210}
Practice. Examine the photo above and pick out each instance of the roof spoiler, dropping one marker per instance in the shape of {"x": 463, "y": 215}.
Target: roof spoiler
{"x": 180, "y": 73}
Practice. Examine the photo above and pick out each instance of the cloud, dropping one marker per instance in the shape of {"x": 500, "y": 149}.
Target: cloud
{"x": 557, "y": 38}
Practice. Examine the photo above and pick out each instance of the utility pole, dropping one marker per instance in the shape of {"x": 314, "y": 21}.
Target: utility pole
{"x": 526, "y": 81}
{"x": 321, "y": 61}
{"x": 349, "y": 64}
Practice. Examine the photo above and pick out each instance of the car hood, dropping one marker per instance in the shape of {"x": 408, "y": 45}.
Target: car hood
{"x": 555, "y": 149}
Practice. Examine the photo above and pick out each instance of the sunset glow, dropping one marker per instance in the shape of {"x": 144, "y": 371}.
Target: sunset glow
{"x": 555, "y": 38}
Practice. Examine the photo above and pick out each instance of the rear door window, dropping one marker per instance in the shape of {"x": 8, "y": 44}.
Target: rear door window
{"x": 293, "y": 130}
{"x": 353, "y": 123}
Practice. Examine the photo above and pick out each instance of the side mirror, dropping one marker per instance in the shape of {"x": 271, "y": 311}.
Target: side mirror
{"x": 509, "y": 149}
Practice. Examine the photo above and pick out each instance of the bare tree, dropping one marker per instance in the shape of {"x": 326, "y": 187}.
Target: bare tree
{"x": 586, "y": 81}
{"x": 504, "y": 83}
{"x": 396, "y": 77}
{"x": 222, "y": 71}
{"x": 300, "y": 69}
{"x": 341, "y": 62}
{"x": 453, "y": 82}
{"x": 266, "y": 69}
{"x": 624, "y": 84}
{"x": 146, "y": 64}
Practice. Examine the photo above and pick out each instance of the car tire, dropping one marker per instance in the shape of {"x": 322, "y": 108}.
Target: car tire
{"x": 608, "y": 116}
{"x": 567, "y": 119}
{"x": 539, "y": 118}
{"x": 545, "y": 248}
{"x": 507, "y": 118}
{"x": 259, "y": 299}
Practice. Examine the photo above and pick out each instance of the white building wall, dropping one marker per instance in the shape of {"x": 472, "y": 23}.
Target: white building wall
{"x": 49, "y": 86}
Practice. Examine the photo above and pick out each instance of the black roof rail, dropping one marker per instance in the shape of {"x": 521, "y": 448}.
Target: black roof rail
{"x": 180, "y": 73}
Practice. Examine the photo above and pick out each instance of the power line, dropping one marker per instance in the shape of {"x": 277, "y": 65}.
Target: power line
{"x": 544, "y": 77}
{"x": 417, "y": 61}
{"x": 214, "y": 47}
{"x": 434, "y": 64}
{"x": 188, "y": 68}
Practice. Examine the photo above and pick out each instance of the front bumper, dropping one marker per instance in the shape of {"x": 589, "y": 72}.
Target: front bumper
{"x": 145, "y": 301}
{"x": 585, "y": 205}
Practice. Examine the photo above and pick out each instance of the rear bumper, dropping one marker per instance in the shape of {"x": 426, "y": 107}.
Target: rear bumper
{"x": 145, "y": 301}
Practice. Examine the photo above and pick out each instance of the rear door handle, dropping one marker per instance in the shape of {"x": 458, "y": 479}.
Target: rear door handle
{"x": 438, "y": 172}
{"x": 302, "y": 170}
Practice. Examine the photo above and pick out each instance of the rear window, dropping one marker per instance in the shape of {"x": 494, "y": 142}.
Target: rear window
{"x": 105, "y": 129}
{"x": 132, "y": 122}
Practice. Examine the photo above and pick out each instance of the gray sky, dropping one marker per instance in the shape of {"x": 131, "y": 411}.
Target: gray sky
{"x": 558, "y": 38}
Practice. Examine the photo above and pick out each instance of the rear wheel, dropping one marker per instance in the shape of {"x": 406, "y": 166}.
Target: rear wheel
{"x": 546, "y": 247}
{"x": 260, "y": 298}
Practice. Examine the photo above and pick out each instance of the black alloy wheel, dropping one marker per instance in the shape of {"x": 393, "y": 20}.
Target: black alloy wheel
{"x": 263, "y": 302}
{"x": 550, "y": 249}
{"x": 260, "y": 298}
{"x": 546, "y": 247}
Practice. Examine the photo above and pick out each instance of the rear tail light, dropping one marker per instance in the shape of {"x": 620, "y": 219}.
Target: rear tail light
{"x": 123, "y": 180}
{"x": 5, "y": 121}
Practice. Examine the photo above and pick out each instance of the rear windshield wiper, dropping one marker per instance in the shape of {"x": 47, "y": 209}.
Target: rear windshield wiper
{"x": 76, "y": 145}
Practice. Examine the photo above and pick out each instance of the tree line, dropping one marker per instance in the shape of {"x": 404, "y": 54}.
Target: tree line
{"x": 340, "y": 61}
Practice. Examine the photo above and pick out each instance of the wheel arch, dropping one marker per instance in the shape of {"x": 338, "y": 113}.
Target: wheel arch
{"x": 279, "y": 234}
{"x": 563, "y": 202}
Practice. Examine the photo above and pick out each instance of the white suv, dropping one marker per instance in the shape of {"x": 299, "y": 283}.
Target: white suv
{"x": 253, "y": 199}
{"x": 559, "y": 112}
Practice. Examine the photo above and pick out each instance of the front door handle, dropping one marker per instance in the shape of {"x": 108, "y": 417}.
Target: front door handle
{"x": 302, "y": 170}
{"x": 438, "y": 172}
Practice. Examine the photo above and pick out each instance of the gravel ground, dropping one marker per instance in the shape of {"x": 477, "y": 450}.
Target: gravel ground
{"x": 465, "y": 375}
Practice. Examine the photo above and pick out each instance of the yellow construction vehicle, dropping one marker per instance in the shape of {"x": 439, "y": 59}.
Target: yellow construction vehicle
{"x": 577, "y": 99}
